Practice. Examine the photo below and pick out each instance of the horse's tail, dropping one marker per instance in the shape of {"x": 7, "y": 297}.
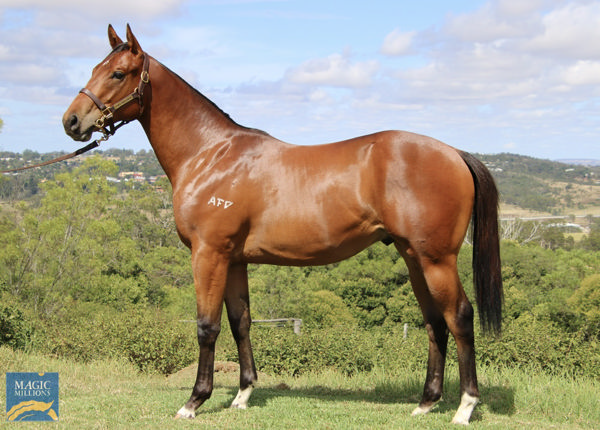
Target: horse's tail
{"x": 487, "y": 276}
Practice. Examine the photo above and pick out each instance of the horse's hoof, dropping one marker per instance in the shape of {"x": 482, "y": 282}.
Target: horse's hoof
{"x": 185, "y": 413}
{"x": 463, "y": 414}
{"x": 241, "y": 400}
{"x": 423, "y": 409}
{"x": 419, "y": 411}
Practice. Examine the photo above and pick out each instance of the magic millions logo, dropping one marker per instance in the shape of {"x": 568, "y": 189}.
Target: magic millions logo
{"x": 32, "y": 396}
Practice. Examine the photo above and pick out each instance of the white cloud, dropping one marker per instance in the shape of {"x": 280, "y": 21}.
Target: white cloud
{"x": 571, "y": 31}
{"x": 511, "y": 53}
{"x": 398, "y": 43}
{"x": 519, "y": 8}
{"x": 31, "y": 74}
{"x": 115, "y": 8}
{"x": 492, "y": 22}
{"x": 320, "y": 96}
{"x": 336, "y": 70}
{"x": 584, "y": 72}
{"x": 53, "y": 45}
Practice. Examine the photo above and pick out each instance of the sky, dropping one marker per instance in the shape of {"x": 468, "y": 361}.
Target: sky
{"x": 483, "y": 76}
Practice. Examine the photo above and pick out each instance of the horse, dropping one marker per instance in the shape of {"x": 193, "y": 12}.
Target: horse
{"x": 241, "y": 196}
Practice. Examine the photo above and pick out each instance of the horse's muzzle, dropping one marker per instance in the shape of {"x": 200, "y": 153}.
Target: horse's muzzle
{"x": 75, "y": 129}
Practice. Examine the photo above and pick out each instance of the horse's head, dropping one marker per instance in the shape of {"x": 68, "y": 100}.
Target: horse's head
{"x": 114, "y": 93}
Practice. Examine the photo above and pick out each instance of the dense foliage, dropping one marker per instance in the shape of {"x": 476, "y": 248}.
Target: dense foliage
{"x": 91, "y": 268}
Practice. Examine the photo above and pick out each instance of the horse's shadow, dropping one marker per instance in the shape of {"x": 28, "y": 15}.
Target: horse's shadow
{"x": 497, "y": 399}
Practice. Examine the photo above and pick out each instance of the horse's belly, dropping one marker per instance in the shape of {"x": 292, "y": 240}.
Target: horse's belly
{"x": 307, "y": 245}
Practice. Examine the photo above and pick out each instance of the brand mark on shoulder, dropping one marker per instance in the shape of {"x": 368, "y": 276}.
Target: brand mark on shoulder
{"x": 219, "y": 202}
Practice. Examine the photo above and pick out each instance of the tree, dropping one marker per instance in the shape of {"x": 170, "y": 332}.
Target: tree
{"x": 586, "y": 300}
{"x": 520, "y": 231}
{"x": 86, "y": 242}
{"x": 366, "y": 283}
{"x": 592, "y": 241}
{"x": 276, "y": 291}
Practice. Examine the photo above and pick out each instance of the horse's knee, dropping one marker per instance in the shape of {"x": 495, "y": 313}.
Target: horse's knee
{"x": 436, "y": 326}
{"x": 208, "y": 331}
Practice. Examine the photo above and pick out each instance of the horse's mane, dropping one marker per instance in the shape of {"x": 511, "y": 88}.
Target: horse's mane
{"x": 213, "y": 104}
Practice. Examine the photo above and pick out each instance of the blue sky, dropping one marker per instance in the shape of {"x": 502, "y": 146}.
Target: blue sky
{"x": 484, "y": 76}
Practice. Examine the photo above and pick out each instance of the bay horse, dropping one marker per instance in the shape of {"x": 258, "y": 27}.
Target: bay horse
{"x": 241, "y": 196}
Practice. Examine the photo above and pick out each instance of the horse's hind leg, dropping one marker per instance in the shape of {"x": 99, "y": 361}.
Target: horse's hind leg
{"x": 460, "y": 321}
{"x": 438, "y": 339}
{"x": 445, "y": 307}
{"x": 445, "y": 287}
{"x": 238, "y": 311}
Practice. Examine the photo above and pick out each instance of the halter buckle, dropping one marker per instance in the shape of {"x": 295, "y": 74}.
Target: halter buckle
{"x": 107, "y": 113}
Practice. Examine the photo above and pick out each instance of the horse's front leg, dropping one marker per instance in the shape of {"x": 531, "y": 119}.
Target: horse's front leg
{"x": 238, "y": 311}
{"x": 210, "y": 276}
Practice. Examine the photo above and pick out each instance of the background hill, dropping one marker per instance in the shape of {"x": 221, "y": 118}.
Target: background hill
{"x": 544, "y": 186}
{"x": 584, "y": 162}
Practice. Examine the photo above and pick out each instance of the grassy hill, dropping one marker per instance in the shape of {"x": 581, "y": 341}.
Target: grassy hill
{"x": 531, "y": 186}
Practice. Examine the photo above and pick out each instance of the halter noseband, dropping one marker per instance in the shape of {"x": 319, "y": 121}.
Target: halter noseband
{"x": 106, "y": 122}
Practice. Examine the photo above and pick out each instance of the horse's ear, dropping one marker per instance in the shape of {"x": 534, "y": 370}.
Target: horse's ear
{"x": 113, "y": 38}
{"x": 133, "y": 43}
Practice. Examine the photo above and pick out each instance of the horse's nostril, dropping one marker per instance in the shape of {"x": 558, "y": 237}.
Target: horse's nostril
{"x": 73, "y": 123}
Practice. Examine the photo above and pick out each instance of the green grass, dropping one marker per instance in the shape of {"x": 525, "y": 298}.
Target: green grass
{"x": 113, "y": 394}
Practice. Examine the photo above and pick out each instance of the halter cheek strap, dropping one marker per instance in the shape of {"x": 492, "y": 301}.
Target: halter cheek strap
{"x": 106, "y": 122}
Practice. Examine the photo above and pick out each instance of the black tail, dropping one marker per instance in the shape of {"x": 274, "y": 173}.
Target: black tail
{"x": 487, "y": 275}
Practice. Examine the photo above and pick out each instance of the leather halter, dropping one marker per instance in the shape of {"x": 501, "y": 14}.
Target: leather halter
{"x": 106, "y": 122}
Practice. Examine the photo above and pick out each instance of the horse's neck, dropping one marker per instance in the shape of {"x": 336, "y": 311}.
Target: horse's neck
{"x": 181, "y": 123}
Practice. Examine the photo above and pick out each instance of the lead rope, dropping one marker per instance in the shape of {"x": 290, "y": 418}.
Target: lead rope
{"x": 80, "y": 151}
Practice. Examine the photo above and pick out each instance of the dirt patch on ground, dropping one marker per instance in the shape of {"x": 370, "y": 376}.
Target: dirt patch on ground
{"x": 226, "y": 366}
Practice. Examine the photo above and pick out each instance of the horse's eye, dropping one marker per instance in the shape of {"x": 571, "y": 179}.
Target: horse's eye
{"x": 118, "y": 75}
